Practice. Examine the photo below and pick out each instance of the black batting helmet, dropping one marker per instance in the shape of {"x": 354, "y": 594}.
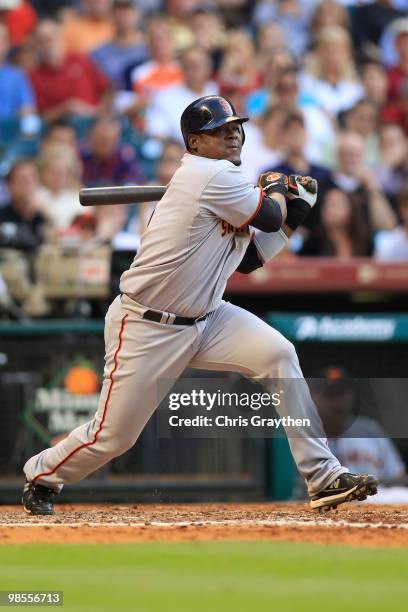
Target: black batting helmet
{"x": 206, "y": 114}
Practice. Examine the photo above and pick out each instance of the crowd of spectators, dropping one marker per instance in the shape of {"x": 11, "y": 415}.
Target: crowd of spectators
{"x": 91, "y": 92}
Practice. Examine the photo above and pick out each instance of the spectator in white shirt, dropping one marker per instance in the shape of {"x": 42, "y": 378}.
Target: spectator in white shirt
{"x": 163, "y": 115}
{"x": 330, "y": 76}
{"x": 60, "y": 171}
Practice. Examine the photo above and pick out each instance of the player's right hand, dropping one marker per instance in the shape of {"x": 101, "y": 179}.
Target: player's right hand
{"x": 303, "y": 187}
{"x": 273, "y": 182}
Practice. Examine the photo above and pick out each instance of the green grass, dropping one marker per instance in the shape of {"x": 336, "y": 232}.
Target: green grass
{"x": 207, "y": 576}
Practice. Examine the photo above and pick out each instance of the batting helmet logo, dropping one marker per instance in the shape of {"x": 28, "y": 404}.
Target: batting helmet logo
{"x": 226, "y": 106}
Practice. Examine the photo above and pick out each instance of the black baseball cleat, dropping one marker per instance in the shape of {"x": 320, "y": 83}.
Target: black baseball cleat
{"x": 37, "y": 499}
{"x": 346, "y": 487}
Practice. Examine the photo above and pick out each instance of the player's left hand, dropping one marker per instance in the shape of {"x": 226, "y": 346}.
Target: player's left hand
{"x": 273, "y": 182}
{"x": 303, "y": 187}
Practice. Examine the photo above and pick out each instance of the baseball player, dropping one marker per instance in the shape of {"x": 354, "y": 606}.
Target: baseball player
{"x": 171, "y": 314}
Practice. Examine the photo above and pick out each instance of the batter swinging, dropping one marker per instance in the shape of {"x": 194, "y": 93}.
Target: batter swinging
{"x": 171, "y": 314}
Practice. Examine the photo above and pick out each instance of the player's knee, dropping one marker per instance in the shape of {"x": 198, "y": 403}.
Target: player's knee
{"x": 284, "y": 351}
{"x": 287, "y": 352}
{"x": 270, "y": 356}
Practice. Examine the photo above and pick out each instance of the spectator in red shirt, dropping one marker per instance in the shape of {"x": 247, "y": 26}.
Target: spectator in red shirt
{"x": 397, "y": 107}
{"x": 19, "y": 18}
{"x": 65, "y": 84}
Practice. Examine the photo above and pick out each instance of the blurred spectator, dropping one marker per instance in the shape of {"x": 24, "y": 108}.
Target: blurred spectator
{"x": 295, "y": 160}
{"x": 390, "y": 170}
{"x": 263, "y": 142}
{"x": 397, "y": 107}
{"x": 330, "y": 77}
{"x": 60, "y": 172}
{"x": 105, "y": 160}
{"x": 59, "y": 133}
{"x": 269, "y": 37}
{"x": 136, "y": 223}
{"x": 354, "y": 177}
{"x": 50, "y": 8}
{"x": 328, "y": 13}
{"x": 236, "y": 13}
{"x": 127, "y": 46}
{"x": 160, "y": 71}
{"x": 168, "y": 162}
{"x": 239, "y": 73}
{"x": 362, "y": 118}
{"x": 23, "y": 228}
{"x": 209, "y": 31}
{"x": 179, "y": 13}
{"x": 16, "y": 94}
{"x": 368, "y": 22}
{"x": 91, "y": 28}
{"x": 19, "y": 18}
{"x": 108, "y": 162}
{"x": 65, "y": 84}
{"x": 320, "y": 127}
{"x": 163, "y": 114}
{"x": 272, "y": 65}
{"x": 374, "y": 80}
{"x": 342, "y": 232}
{"x": 22, "y": 221}
{"x": 387, "y": 53}
{"x": 292, "y": 16}
{"x": 393, "y": 245}
{"x": 358, "y": 441}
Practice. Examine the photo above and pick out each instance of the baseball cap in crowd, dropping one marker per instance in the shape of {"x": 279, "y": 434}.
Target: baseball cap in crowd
{"x": 400, "y": 26}
{"x": 331, "y": 379}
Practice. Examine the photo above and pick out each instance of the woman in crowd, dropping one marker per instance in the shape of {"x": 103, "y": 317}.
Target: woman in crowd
{"x": 330, "y": 77}
{"x": 343, "y": 232}
{"x": 60, "y": 171}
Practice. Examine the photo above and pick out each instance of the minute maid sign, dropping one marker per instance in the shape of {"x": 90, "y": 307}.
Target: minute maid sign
{"x": 67, "y": 401}
{"x": 341, "y": 328}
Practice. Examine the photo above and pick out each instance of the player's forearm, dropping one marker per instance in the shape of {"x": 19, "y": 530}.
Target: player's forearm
{"x": 271, "y": 214}
{"x": 263, "y": 248}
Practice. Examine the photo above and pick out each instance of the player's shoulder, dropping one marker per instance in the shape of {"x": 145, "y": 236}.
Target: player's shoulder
{"x": 196, "y": 175}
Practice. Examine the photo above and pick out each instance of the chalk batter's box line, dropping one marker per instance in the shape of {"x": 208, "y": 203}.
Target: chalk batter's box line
{"x": 226, "y": 523}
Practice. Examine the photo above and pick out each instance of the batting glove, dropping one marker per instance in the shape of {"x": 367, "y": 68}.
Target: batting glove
{"x": 273, "y": 182}
{"x": 304, "y": 187}
{"x": 301, "y": 197}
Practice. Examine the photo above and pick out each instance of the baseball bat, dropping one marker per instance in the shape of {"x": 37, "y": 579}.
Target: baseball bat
{"x": 132, "y": 194}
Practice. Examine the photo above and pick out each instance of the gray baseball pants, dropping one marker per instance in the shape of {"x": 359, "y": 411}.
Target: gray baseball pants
{"x": 139, "y": 353}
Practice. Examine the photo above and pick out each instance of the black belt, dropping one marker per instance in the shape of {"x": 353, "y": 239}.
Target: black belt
{"x": 153, "y": 315}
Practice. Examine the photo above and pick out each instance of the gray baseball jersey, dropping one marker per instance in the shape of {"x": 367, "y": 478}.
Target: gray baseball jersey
{"x": 196, "y": 238}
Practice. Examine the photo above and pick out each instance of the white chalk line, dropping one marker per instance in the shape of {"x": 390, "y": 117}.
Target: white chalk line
{"x": 225, "y": 523}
